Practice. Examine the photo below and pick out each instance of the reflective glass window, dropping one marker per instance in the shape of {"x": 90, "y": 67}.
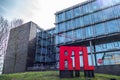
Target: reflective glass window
{"x": 73, "y": 24}
{"x": 112, "y": 26}
{"x": 61, "y": 17}
{"x": 56, "y": 39}
{"x": 108, "y": 13}
{"x": 79, "y": 34}
{"x": 107, "y": 46}
{"x": 89, "y": 32}
{"x": 77, "y": 11}
{"x": 118, "y": 22}
{"x": 117, "y": 11}
{"x": 69, "y": 14}
{"x": 94, "y": 6}
{"x": 61, "y": 38}
{"x": 87, "y": 20}
{"x": 61, "y": 27}
{"x": 109, "y": 58}
{"x": 79, "y": 22}
{"x": 70, "y": 24}
{"x": 69, "y": 36}
{"x": 99, "y": 29}
{"x": 74, "y": 35}
{"x": 87, "y": 8}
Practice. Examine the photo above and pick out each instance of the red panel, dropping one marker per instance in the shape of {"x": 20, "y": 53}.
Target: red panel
{"x": 64, "y": 58}
{"x": 85, "y": 60}
{"x": 76, "y": 57}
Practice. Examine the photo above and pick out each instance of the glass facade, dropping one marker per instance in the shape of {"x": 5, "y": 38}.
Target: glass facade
{"x": 45, "y": 48}
{"x": 93, "y": 21}
{"x": 86, "y": 18}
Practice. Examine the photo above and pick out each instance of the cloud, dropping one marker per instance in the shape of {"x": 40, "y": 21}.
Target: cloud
{"x": 38, "y": 11}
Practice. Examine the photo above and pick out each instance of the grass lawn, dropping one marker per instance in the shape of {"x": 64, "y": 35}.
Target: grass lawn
{"x": 51, "y": 75}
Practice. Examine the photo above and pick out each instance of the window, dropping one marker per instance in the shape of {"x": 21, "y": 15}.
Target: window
{"x": 61, "y": 38}
{"x": 99, "y": 29}
{"x": 69, "y": 36}
{"x": 79, "y": 34}
{"x": 77, "y": 11}
{"x": 107, "y": 46}
{"x": 61, "y": 17}
{"x": 111, "y": 58}
{"x": 89, "y": 32}
{"x": 94, "y": 6}
{"x": 95, "y": 17}
{"x": 87, "y": 8}
{"x": 56, "y": 39}
{"x": 112, "y": 26}
{"x": 69, "y": 14}
{"x": 117, "y": 11}
{"x": 70, "y": 24}
{"x": 61, "y": 27}
{"x": 79, "y": 22}
{"x": 87, "y": 20}
{"x": 108, "y": 13}
{"x": 74, "y": 35}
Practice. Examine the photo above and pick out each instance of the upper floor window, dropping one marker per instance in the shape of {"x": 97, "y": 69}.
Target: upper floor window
{"x": 61, "y": 17}
{"x": 69, "y": 14}
{"x": 89, "y": 32}
{"x": 77, "y": 11}
{"x": 99, "y": 29}
{"x": 112, "y": 26}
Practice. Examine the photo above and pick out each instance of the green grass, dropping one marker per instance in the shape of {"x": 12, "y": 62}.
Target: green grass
{"x": 51, "y": 75}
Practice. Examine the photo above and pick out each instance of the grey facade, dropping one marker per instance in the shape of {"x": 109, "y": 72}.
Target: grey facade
{"x": 21, "y": 48}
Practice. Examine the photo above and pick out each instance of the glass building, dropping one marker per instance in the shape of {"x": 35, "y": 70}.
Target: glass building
{"x": 45, "y": 49}
{"x": 95, "y": 24}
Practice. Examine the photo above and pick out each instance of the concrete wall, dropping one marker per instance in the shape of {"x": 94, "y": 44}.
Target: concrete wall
{"x": 31, "y": 45}
{"x": 21, "y": 48}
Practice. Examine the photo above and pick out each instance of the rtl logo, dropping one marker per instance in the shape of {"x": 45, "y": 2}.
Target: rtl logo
{"x": 68, "y": 57}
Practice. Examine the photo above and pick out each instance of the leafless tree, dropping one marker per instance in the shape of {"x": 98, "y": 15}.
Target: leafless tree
{"x": 5, "y": 27}
{"x": 16, "y": 23}
{"x": 3, "y": 34}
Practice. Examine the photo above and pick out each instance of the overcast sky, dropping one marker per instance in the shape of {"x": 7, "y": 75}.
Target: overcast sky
{"x": 38, "y": 11}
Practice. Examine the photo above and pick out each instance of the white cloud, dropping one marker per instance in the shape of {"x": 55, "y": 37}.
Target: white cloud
{"x": 41, "y": 11}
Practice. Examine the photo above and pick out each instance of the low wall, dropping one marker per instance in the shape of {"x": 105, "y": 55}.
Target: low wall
{"x": 108, "y": 69}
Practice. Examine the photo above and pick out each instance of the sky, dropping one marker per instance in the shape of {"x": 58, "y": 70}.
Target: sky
{"x": 39, "y": 11}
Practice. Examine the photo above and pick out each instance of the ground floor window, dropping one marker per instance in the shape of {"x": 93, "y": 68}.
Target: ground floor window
{"x": 108, "y": 58}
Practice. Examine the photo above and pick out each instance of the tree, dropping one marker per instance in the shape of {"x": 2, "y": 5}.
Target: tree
{"x": 16, "y": 23}
{"x": 3, "y": 34}
{"x": 5, "y": 27}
